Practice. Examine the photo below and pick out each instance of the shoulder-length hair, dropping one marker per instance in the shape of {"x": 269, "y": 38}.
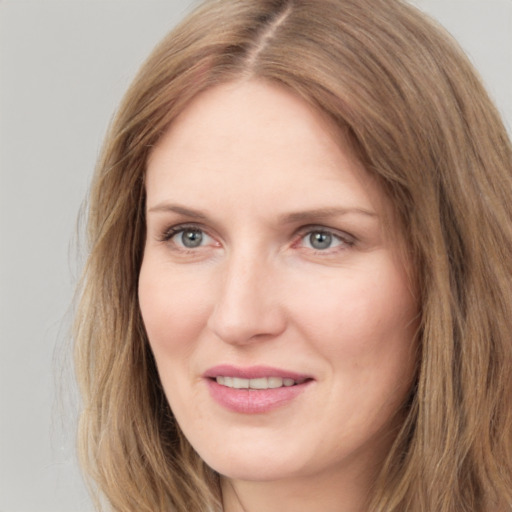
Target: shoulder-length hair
{"x": 422, "y": 124}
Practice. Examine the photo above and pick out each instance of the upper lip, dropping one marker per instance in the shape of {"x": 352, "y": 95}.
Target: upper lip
{"x": 252, "y": 372}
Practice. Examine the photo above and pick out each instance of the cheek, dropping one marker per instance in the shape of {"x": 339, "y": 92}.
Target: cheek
{"x": 173, "y": 309}
{"x": 365, "y": 330}
{"x": 174, "y": 312}
{"x": 365, "y": 321}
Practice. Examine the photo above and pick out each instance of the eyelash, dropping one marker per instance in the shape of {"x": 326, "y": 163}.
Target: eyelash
{"x": 346, "y": 240}
{"x": 171, "y": 232}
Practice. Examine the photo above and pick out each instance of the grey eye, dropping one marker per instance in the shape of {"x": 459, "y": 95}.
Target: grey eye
{"x": 191, "y": 238}
{"x": 320, "y": 240}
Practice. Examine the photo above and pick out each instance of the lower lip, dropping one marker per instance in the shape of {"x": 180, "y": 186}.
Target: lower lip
{"x": 254, "y": 401}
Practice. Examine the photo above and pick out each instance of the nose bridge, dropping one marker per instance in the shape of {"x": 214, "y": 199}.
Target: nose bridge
{"x": 246, "y": 307}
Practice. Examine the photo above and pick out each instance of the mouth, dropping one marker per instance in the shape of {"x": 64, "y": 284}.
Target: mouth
{"x": 257, "y": 383}
{"x": 256, "y": 389}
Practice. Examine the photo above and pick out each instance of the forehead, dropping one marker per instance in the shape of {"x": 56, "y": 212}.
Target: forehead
{"x": 251, "y": 108}
{"x": 255, "y": 134}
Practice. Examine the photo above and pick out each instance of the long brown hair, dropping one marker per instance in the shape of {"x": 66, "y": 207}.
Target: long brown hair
{"x": 422, "y": 123}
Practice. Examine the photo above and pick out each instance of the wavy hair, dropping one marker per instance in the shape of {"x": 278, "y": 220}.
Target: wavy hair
{"x": 422, "y": 124}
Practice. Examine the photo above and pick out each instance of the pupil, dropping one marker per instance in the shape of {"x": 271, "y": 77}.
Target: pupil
{"x": 192, "y": 238}
{"x": 320, "y": 240}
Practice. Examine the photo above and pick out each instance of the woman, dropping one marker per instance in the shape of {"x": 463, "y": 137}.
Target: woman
{"x": 299, "y": 288}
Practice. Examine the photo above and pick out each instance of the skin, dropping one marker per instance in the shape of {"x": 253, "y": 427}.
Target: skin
{"x": 258, "y": 172}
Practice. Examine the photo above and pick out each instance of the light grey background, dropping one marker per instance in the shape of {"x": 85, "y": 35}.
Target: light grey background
{"x": 63, "y": 67}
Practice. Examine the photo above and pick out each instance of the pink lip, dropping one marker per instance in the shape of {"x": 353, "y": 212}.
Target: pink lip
{"x": 254, "y": 401}
{"x": 252, "y": 372}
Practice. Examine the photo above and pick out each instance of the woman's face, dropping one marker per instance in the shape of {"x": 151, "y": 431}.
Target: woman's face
{"x": 278, "y": 311}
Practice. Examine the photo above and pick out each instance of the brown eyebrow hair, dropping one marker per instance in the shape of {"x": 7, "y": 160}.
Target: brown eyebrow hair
{"x": 287, "y": 218}
{"x": 166, "y": 207}
{"x": 321, "y": 213}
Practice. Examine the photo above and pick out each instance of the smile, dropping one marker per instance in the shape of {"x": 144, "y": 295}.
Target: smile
{"x": 259, "y": 383}
{"x": 255, "y": 389}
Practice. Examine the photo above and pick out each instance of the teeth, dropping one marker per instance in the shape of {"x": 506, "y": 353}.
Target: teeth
{"x": 260, "y": 383}
{"x": 240, "y": 383}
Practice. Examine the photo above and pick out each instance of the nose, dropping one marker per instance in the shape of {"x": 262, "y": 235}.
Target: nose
{"x": 247, "y": 306}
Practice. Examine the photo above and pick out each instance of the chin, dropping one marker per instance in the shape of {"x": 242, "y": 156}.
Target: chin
{"x": 251, "y": 466}
{"x": 253, "y": 472}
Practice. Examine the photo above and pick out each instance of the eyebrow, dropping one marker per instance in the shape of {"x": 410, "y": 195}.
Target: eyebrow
{"x": 288, "y": 218}
{"x": 181, "y": 210}
{"x": 323, "y": 213}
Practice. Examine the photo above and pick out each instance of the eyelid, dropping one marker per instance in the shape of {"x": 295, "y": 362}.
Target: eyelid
{"x": 312, "y": 228}
{"x": 169, "y": 232}
{"x": 346, "y": 239}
